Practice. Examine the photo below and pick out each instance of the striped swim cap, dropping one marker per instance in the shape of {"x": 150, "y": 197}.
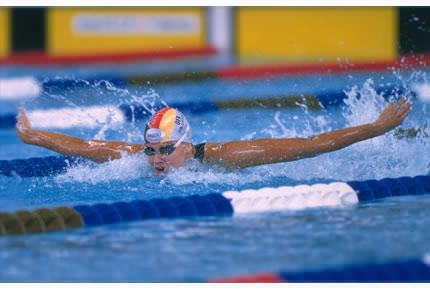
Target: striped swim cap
{"x": 166, "y": 125}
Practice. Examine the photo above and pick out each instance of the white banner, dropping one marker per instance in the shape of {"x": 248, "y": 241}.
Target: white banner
{"x": 109, "y": 24}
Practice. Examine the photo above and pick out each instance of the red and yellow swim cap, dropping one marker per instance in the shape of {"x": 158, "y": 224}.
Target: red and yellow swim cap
{"x": 166, "y": 125}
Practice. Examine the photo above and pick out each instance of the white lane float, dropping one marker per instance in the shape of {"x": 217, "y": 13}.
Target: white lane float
{"x": 19, "y": 88}
{"x": 292, "y": 197}
{"x": 65, "y": 118}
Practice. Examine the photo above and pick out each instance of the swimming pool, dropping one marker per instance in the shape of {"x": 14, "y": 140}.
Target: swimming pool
{"x": 190, "y": 249}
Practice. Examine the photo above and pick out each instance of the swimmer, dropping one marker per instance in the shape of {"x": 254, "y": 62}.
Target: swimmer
{"x": 422, "y": 132}
{"x": 168, "y": 142}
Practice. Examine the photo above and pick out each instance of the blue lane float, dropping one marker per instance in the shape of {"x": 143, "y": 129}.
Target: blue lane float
{"x": 174, "y": 207}
{"x": 139, "y": 112}
{"x": 55, "y": 85}
{"x": 7, "y": 121}
{"x": 387, "y": 187}
{"x": 403, "y": 271}
{"x": 408, "y": 270}
{"x": 228, "y": 203}
{"x": 38, "y": 166}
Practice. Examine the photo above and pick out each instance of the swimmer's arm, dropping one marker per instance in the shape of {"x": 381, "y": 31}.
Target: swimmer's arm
{"x": 265, "y": 151}
{"x": 98, "y": 151}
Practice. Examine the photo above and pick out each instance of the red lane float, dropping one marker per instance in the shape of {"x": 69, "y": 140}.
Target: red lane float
{"x": 260, "y": 278}
{"x": 40, "y": 58}
{"x": 258, "y": 71}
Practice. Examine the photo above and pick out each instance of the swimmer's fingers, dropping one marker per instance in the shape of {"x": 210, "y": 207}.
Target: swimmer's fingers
{"x": 405, "y": 111}
{"x": 401, "y": 111}
{"x": 399, "y": 108}
{"x": 403, "y": 108}
{"x": 23, "y": 123}
{"x": 401, "y": 102}
{"x": 406, "y": 107}
{"x": 393, "y": 115}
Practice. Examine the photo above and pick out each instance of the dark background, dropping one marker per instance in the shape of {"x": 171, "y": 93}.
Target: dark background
{"x": 28, "y": 31}
{"x": 414, "y": 28}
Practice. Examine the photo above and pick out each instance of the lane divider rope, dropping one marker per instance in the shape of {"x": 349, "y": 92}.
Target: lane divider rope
{"x": 37, "y": 166}
{"x": 335, "y": 194}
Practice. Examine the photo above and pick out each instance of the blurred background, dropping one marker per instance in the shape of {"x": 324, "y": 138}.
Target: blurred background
{"x": 249, "y": 34}
{"x": 202, "y": 59}
{"x": 137, "y": 45}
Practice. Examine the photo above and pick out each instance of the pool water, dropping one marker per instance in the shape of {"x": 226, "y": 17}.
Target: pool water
{"x": 196, "y": 249}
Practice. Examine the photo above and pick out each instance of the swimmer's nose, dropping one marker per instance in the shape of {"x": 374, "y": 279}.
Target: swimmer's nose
{"x": 158, "y": 158}
{"x": 158, "y": 161}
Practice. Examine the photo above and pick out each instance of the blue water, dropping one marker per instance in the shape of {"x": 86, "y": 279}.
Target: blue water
{"x": 198, "y": 249}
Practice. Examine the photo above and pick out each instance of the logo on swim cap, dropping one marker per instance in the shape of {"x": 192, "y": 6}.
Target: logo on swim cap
{"x": 154, "y": 135}
{"x": 166, "y": 125}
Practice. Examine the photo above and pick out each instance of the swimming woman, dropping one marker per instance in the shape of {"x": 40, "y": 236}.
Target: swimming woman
{"x": 168, "y": 142}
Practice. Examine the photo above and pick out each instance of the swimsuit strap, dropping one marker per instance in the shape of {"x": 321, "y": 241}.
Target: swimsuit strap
{"x": 200, "y": 151}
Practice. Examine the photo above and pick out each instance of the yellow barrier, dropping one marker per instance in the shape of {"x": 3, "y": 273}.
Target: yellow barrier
{"x": 116, "y": 30}
{"x": 315, "y": 34}
{"x": 4, "y": 32}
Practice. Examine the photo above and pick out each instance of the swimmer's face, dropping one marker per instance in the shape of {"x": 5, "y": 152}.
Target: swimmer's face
{"x": 161, "y": 162}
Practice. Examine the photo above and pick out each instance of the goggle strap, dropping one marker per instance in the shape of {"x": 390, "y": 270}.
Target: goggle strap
{"x": 183, "y": 137}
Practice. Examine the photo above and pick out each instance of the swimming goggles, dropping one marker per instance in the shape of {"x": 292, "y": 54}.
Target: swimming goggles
{"x": 168, "y": 149}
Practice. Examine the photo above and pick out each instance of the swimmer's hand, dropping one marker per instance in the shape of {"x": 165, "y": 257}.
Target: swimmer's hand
{"x": 23, "y": 126}
{"x": 393, "y": 115}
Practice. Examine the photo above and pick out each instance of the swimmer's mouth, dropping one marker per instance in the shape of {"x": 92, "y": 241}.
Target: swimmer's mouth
{"x": 160, "y": 169}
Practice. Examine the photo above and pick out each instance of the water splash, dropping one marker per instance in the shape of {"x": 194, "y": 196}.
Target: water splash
{"x": 384, "y": 156}
{"x": 126, "y": 168}
{"x": 363, "y": 104}
{"x": 195, "y": 172}
{"x": 81, "y": 93}
{"x": 287, "y": 125}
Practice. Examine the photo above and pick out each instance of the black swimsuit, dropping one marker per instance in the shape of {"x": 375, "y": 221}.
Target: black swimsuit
{"x": 200, "y": 151}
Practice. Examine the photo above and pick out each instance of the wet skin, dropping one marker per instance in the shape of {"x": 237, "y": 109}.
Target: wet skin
{"x": 231, "y": 154}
